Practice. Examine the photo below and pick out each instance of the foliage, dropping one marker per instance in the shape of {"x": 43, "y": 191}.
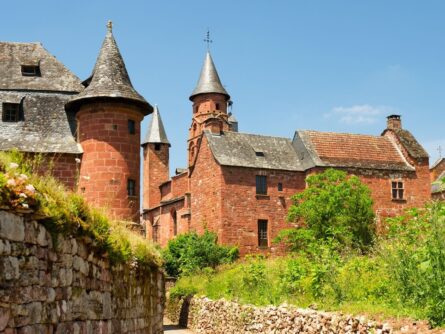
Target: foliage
{"x": 415, "y": 250}
{"x": 25, "y": 185}
{"x": 334, "y": 207}
{"x": 190, "y": 252}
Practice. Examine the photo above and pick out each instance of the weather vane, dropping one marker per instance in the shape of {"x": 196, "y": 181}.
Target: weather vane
{"x": 207, "y": 39}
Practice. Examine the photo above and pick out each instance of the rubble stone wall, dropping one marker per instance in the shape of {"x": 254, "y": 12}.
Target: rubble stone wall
{"x": 61, "y": 284}
{"x": 223, "y": 317}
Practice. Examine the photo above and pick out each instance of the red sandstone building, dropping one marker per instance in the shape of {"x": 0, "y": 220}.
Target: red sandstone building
{"x": 239, "y": 185}
{"x": 236, "y": 184}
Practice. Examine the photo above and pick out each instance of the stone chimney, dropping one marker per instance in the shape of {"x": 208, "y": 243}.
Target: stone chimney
{"x": 394, "y": 122}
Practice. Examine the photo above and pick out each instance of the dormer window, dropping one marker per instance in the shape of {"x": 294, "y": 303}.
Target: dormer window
{"x": 31, "y": 70}
{"x": 11, "y": 112}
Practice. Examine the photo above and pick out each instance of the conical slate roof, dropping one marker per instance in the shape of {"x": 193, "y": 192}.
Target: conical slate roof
{"x": 156, "y": 132}
{"x": 110, "y": 78}
{"x": 209, "y": 81}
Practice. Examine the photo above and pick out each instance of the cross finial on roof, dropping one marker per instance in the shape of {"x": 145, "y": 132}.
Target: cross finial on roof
{"x": 110, "y": 26}
{"x": 207, "y": 39}
{"x": 439, "y": 149}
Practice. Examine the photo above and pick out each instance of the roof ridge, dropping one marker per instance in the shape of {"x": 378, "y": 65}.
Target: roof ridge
{"x": 341, "y": 133}
{"x": 258, "y": 135}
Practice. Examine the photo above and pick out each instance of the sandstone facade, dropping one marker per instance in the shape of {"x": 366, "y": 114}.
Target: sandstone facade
{"x": 62, "y": 285}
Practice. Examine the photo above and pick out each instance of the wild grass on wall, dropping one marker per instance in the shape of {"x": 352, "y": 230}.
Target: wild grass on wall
{"x": 24, "y": 190}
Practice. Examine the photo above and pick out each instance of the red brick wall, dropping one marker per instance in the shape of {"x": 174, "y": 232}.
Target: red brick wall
{"x": 66, "y": 169}
{"x": 179, "y": 185}
{"x": 63, "y": 166}
{"x": 205, "y": 187}
{"x": 163, "y": 218}
{"x": 155, "y": 172}
{"x": 242, "y": 207}
{"x": 111, "y": 157}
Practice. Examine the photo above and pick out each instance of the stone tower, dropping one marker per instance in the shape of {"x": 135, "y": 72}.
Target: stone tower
{"x": 210, "y": 102}
{"x": 109, "y": 113}
{"x": 156, "y": 158}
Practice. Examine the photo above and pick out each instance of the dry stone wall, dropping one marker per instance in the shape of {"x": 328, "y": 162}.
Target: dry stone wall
{"x": 64, "y": 286}
{"x": 206, "y": 316}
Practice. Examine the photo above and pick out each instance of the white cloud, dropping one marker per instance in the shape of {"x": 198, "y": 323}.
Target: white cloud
{"x": 359, "y": 114}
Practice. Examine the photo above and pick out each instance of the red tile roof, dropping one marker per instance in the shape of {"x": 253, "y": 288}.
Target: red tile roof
{"x": 353, "y": 150}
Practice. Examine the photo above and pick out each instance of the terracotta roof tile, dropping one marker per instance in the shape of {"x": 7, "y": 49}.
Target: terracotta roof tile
{"x": 353, "y": 150}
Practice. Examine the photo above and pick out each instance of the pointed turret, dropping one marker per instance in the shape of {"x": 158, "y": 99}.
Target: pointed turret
{"x": 110, "y": 79}
{"x": 209, "y": 81}
{"x": 156, "y": 132}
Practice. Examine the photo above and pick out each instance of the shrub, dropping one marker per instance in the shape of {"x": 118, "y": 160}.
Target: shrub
{"x": 334, "y": 207}
{"x": 190, "y": 252}
{"x": 415, "y": 251}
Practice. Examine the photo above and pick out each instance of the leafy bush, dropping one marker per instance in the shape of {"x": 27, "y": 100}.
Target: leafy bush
{"x": 190, "y": 252}
{"x": 334, "y": 207}
{"x": 415, "y": 251}
{"x": 24, "y": 185}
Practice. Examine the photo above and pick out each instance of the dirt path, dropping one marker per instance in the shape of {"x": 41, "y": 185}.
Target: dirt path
{"x": 169, "y": 328}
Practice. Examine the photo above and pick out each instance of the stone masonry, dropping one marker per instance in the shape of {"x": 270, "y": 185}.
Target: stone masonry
{"x": 62, "y": 285}
{"x": 206, "y": 316}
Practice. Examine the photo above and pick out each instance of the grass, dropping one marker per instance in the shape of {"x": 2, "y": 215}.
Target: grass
{"x": 24, "y": 187}
{"x": 360, "y": 286}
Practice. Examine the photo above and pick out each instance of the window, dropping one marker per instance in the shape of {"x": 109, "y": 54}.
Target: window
{"x": 11, "y": 112}
{"x": 397, "y": 190}
{"x": 175, "y": 223}
{"x": 280, "y": 186}
{"x": 259, "y": 154}
{"x": 131, "y": 127}
{"x": 31, "y": 70}
{"x": 131, "y": 187}
{"x": 157, "y": 146}
{"x": 261, "y": 185}
{"x": 262, "y": 234}
{"x": 217, "y": 106}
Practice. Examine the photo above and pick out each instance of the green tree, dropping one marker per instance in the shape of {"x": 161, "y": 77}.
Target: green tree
{"x": 190, "y": 252}
{"x": 334, "y": 207}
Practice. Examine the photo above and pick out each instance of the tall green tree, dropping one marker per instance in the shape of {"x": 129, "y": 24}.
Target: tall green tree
{"x": 334, "y": 207}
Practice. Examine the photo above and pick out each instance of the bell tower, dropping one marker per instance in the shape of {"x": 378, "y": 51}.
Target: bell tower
{"x": 109, "y": 113}
{"x": 210, "y": 103}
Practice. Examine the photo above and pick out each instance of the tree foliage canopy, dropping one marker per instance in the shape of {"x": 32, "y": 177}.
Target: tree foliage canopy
{"x": 334, "y": 207}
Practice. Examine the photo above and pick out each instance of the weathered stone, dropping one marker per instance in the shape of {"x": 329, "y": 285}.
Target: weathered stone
{"x": 4, "y": 317}
{"x": 10, "y": 268}
{"x": 73, "y": 289}
{"x": 11, "y": 227}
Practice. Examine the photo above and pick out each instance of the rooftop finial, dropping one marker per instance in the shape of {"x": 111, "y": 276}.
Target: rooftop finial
{"x": 207, "y": 39}
{"x": 110, "y": 26}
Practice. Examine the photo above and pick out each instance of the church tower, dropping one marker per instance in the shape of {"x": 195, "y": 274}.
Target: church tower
{"x": 210, "y": 103}
{"x": 109, "y": 113}
{"x": 156, "y": 159}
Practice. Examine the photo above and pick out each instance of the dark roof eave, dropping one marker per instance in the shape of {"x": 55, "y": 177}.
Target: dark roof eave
{"x": 192, "y": 97}
{"x": 74, "y": 105}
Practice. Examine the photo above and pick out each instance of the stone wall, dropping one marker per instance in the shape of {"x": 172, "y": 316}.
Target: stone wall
{"x": 222, "y": 317}
{"x": 62, "y": 285}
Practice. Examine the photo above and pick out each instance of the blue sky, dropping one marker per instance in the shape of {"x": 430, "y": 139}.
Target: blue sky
{"x": 324, "y": 65}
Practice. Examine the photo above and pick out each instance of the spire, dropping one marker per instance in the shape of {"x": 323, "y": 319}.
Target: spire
{"x": 156, "y": 132}
{"x": 209, "y": 81}
{"x": 110, "y": 79}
